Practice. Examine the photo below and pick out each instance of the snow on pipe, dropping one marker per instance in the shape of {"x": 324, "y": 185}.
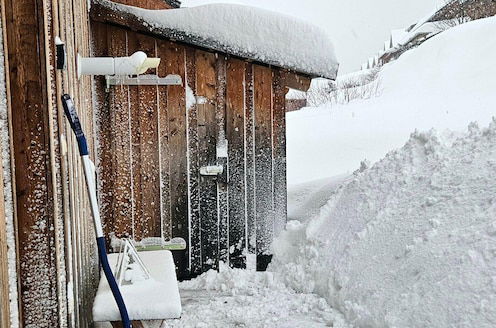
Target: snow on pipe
{"x": 137, "y": 63}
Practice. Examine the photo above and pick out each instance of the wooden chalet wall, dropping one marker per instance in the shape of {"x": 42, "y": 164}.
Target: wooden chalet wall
{"x": 154, "y": 140}
{"x": 57, "y": 268}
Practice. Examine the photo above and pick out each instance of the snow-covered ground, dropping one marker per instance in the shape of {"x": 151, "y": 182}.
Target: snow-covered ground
{"x": 244, "y": 298}
{"x": 447, "y": 82}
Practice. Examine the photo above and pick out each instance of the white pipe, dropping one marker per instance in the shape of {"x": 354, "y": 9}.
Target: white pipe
{"x": 137, "y": 63}
{"x": 89, "y": 172}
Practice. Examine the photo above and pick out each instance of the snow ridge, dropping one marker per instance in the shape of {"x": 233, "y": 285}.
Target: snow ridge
{"x": 410, "y": 241}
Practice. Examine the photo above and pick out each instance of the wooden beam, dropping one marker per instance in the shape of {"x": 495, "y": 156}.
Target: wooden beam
{"x": 295, "y": 81}
{"x": 149, "y": 4}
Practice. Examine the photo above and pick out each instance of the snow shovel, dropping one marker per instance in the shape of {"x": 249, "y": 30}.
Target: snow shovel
{"x": 89, "y": 173}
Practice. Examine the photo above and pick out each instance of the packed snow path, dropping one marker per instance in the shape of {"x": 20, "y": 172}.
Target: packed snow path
{"x": 243, "y": 298}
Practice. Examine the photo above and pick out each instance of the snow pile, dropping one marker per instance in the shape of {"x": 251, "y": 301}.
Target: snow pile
{"x": 447, "y": 82}
{"x": 244, "y": 31}
{"x": 410, "y": 242}
{"x": 243, "y": 298}
{"x": 154, "y": 298}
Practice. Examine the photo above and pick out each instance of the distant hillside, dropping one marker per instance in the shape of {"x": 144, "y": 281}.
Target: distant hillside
{"x": 446, "y": 82}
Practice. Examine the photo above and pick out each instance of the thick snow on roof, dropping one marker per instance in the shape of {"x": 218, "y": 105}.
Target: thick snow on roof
{"x": 248, "y": 32}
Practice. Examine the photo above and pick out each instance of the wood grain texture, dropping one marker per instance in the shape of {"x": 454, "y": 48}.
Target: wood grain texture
{"x": 222, "y": 143}
{"x": 264, "y": 210}
{"x": 26, "y": 30}
{"x": 235, "y": 126}
{"x": 149, "y": 4}
{"x": 207, "y": 136}
{"x": 250, "y": 160}
{"x": 147, "y": 222}
{"x": 176, "y": 105}
{"x": 194, "y": 166}
{"x": 164, "y": 147}
{"x": 279, "y": 152}
{"x": 295, "y": 81}
{"x": 4, "y": 265}
{"x": 117, "y": 167}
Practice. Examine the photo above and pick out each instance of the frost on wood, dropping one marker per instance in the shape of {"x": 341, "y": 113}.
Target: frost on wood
{"x": 7, "y": 185}
{"x": 243, "y": 31}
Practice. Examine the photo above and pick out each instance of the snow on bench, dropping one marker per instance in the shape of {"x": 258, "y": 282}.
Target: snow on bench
{"x": 243, "y": 31}
{"x": 153, "y": 299}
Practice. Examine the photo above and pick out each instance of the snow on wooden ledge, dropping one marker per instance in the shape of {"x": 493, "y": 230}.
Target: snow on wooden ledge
{"x": 243, "y": 31}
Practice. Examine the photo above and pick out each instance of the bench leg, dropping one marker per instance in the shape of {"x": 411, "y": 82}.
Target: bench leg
{"x": 142, "y": 324}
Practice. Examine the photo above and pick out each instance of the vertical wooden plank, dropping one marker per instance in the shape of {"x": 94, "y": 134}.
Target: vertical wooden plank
{"x": 279, "y": 152}
{"x": 176, "y": 104}
{"x": 235, "y": 126}
{"x": 26, "y": 31}
{"x": 164, "y": 148}
{"x": 207, "y": 136}
{"x": 144, "y": 119}
{"x": 4, "y": 265}
{"x": 193, "y": 163}
{"x": 221, "y": 152}
{"x": 263, "y": 164}
{"x": 250, "y": 161}
{"x": 118, "y": 154}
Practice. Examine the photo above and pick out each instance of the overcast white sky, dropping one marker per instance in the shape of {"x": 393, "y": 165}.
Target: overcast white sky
{"x": 357, "y": 27}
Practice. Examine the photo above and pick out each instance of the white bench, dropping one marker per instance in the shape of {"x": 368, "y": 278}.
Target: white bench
{"x": 149, "y": 302}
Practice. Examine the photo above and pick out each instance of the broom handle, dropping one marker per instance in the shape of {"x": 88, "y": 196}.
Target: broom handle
{"x": 89, "y": 173}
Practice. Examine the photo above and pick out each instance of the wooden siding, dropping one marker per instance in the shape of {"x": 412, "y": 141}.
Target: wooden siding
{"x": 228, "y": 112}
{"x": 4, "y": 267}
{"x": 149, "y": 4}
{"x": 57, "y": 256}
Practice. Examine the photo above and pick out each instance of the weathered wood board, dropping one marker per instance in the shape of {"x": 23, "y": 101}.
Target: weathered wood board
{"x": 206, "y": 83}
{"x": 235, "y": 126}
{"x": 264, "y": 206}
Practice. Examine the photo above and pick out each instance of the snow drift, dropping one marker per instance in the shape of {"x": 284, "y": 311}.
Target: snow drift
{"x": 447, "y": 82}
{"x": 410, "y": 242}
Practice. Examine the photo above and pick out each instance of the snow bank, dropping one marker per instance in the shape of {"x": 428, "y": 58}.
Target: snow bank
{"x": 410, "y": 242}
{"x": 244, "y": 298}
{"x": 447, "y": 82}
{"x": 244, "y": 31}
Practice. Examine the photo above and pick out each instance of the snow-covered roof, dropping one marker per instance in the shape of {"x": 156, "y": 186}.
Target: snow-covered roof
{"x": 243, "y": 31}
